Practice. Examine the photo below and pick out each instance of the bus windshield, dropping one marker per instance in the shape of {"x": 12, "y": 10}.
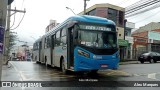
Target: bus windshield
{"x": 97, "y": 39}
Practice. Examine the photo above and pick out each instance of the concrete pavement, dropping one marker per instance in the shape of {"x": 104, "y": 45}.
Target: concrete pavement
{"x": 8, "y": 71}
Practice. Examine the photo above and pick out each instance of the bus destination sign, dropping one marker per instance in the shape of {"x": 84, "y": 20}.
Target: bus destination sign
{"x": 92, "y": 27}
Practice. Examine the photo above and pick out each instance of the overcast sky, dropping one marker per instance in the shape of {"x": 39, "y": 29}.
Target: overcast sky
{"x": 39, "y": 12}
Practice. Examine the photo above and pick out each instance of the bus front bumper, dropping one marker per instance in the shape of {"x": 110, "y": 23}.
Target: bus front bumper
{"x": 88, "y": 65}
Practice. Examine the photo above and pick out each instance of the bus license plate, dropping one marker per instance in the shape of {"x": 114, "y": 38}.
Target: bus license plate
{"x": 104, "y": 65}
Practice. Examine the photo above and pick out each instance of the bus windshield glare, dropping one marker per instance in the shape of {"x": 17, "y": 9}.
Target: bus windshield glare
{"x": 97, "y": 39}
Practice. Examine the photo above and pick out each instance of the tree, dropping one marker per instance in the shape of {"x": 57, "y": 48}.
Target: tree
{"x": 13, "y": 38}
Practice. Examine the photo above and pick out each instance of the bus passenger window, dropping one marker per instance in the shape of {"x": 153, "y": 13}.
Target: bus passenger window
{"x": 63, "y": 32}
{"x": 63, "y": 40}
{"x": 58, "y": 39}
{"x": 63, "y": 36}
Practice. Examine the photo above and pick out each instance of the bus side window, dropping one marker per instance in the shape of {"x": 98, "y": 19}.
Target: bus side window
{"x": 45, "y": 42}
{"x": 53, "y": 41}
{"x": 63, "y": 36}
{"x": 58, "y": 39}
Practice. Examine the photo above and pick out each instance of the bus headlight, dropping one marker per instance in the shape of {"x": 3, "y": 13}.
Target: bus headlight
{"x": 83, "y": 53}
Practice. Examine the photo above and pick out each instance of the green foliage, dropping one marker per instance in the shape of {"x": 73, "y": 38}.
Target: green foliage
{"x": 12, "y": 39}
{"x": 122, "y": 60}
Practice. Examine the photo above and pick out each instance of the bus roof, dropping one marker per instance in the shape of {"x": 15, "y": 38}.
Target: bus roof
{"x": 38, "y": 40}
{"x": 91, "y": 19}
{"x": 82, "y": 18}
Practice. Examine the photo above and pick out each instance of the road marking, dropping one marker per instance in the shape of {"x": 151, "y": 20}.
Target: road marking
{"x": 21, "y": 75}
{"x": 116, "y": 73}
{"x": 152, "y": 76}
{"x": 14, "y": 66}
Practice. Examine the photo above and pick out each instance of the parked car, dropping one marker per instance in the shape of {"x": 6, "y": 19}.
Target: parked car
{"x": 151, "y": 57}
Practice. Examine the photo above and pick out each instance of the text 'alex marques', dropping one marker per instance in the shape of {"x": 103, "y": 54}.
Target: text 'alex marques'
{"x": 146, "y": 84}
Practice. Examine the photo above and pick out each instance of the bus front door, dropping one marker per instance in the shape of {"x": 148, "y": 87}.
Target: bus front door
{"x": 52, "y": 50}
{"x": 40, "y": 50}
{"x": 70, "y": 48}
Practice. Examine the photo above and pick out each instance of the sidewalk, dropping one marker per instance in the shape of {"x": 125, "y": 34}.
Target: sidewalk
{"x": 129, "y": 62}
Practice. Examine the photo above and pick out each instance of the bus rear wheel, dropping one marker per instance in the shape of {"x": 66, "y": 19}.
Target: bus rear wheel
{"x": 46, "y": 61}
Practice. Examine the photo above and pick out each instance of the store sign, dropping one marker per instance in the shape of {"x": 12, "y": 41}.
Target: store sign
{"x": 1, "y": 38}
{"x": 154, "y": 35}
{"x": 122, "y": 42}
{"x": 130, "y": 25}
{"x": 130, "y": 39}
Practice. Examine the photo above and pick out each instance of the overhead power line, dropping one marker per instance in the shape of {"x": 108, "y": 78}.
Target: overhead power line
{"x": 13, "y": 19}
{"x": 19, "y": 22}
{"x": 142, "y": 11}
{"x": 148, "y": 17}
{"x": 22, "y": 17}
{"x": 142, "y": 6}
{"x": 140, "y": 2}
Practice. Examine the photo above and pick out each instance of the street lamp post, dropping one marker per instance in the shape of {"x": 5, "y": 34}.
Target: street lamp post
{"x": 85, "y": 5}
{"x": 71, "y": 10}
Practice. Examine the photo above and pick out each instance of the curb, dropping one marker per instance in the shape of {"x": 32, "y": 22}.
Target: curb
{"x": 124, "y": 63}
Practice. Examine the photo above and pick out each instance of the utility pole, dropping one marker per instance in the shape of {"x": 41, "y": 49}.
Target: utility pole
{"x": 85, "y": 5}
{"x": 1, "y": 48}
{"x": 7, "y": 33}
{"x": 6, "y": 37}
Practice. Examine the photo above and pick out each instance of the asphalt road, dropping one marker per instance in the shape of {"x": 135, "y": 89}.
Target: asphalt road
{"x": 125, "y": 76}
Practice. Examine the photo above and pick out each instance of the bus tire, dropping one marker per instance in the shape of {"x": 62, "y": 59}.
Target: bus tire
{"x": 63, "y": 67}
{"x": 35, "y": 58}
{"x": 94, "y": 71}
{"x": 46, "y": 60}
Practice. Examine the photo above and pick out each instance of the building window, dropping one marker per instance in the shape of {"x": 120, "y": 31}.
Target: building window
{"x": 112, "y": 14}
{"x": 119, "y": 34}
{"x": 121, "y": 18}
{"x": 92, "y": 12}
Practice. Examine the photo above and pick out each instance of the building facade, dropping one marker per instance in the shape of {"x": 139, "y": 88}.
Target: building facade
{"x": 52, "y": 24}
{"x": 114, "y": 13}
{"x": 146, "y": 38}
{"x": 22, "y": 52}
{"x": 128, "y": 50}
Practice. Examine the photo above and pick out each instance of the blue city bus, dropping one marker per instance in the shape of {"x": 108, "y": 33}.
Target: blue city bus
{"x": 81, "y": 43}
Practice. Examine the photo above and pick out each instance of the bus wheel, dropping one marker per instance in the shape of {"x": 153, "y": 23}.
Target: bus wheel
{"x": 45, "y": 60}
{"x": 63, "y": 67}
{"x": 94, "y": 71}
